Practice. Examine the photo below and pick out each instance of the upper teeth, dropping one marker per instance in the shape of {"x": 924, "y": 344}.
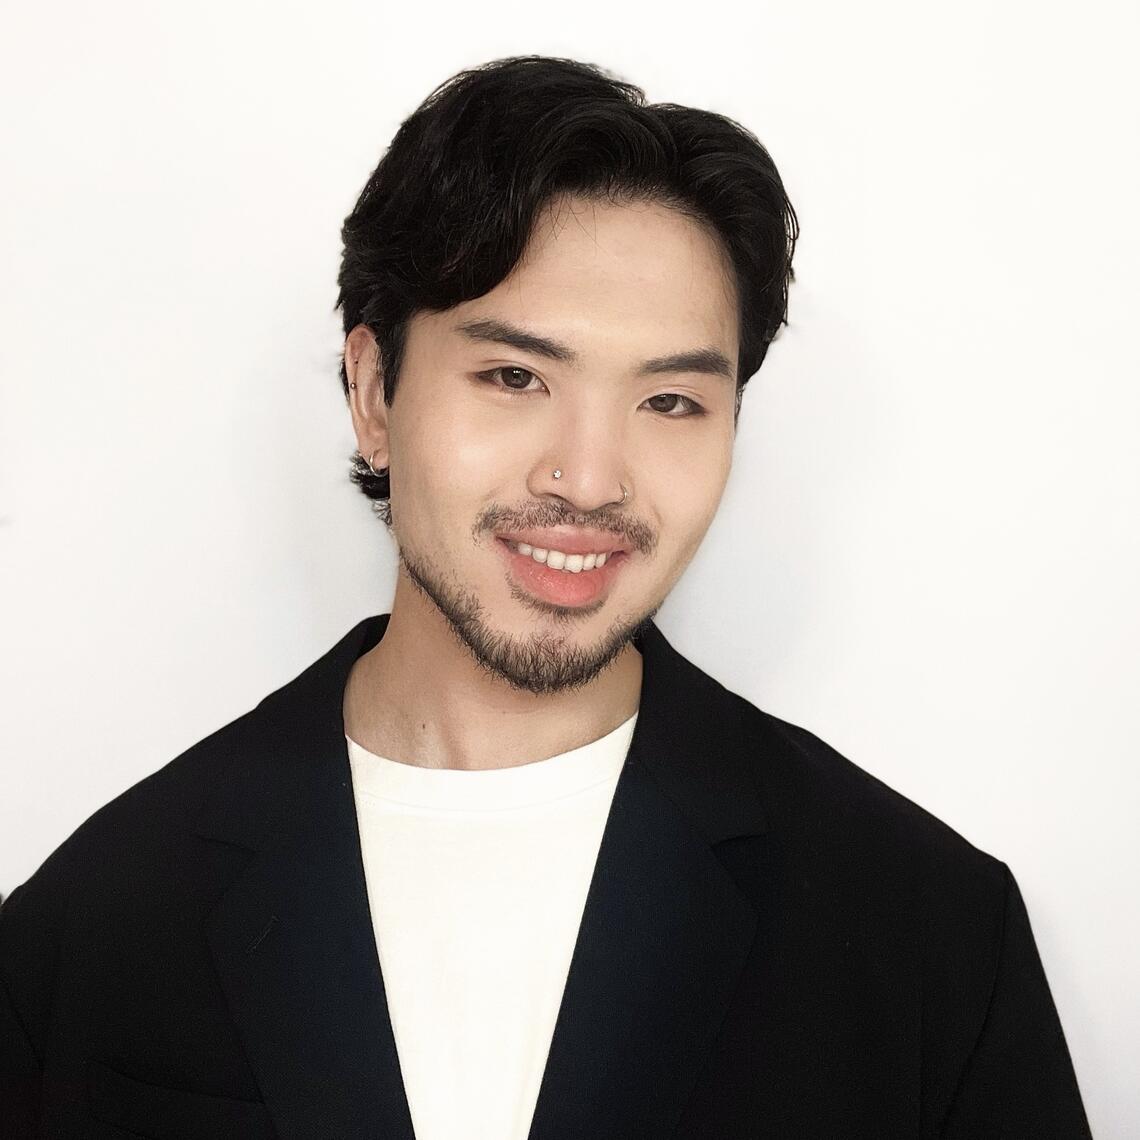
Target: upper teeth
{"x": 559, "y": 560}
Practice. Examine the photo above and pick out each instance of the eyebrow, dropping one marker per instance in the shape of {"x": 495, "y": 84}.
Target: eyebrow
{"x": 710, "y": 361}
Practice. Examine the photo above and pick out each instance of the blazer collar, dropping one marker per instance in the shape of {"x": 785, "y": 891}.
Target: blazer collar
{"x": 290, "y": 773}
{"x": 663, "y": 938}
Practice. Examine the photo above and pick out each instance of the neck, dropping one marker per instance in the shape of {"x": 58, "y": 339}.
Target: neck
{"x": 420, "y": 698}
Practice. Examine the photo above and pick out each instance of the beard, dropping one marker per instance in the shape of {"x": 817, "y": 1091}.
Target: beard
{"x": 540, "y": 663}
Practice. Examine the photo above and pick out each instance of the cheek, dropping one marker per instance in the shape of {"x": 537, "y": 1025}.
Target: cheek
{"x": 692, "y": 488}
{"x": 694, "y": 466}
{"x": 451, "y": 452}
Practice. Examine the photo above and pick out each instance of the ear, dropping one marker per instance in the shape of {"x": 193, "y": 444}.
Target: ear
{"x": 366, "y": 400}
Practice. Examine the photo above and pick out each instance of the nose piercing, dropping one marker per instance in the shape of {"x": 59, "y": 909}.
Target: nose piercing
{"x": 624, "y": 492}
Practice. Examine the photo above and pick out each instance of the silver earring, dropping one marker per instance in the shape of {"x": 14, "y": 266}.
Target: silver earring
{"x": 383, "y": 470}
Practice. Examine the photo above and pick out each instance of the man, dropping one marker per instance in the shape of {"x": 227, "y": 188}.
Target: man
{"x": 502, "y": 863}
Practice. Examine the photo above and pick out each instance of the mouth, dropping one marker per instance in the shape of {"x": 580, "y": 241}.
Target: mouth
{"x": 560, "y": 578}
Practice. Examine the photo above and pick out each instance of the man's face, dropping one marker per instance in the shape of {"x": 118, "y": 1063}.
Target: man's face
{"x": 479, "y": 425}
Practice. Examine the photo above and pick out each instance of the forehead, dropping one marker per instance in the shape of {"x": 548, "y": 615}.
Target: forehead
{"x": 640, "y": 275}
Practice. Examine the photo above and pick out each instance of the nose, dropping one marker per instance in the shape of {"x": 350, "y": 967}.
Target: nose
{"x": 584, "y": 463}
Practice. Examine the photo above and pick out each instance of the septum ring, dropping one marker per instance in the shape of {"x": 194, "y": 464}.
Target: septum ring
{"x": 624, "y": 492}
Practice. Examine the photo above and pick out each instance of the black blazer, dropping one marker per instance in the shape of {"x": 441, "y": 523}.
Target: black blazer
{"x": 774, "y": 944}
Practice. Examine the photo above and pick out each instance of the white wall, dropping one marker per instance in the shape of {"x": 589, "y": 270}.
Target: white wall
{"x": 928, "y": 550}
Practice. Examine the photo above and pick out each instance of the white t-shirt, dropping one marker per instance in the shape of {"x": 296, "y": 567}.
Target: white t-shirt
{"x": 477, "y": 881}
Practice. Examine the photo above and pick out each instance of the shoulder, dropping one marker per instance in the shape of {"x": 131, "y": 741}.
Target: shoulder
{"x": 861, "y": 865}
{"x": 830, "y": 826}
{"x": 129, "y": 888}
{"x": 827, "y": 807}
{"x": 240, "y": 763}
{"x": 137, "y": 831}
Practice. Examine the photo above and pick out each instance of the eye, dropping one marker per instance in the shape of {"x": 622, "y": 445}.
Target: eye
{"x": 508, "y": 377}
{"x": 670, "y": 410}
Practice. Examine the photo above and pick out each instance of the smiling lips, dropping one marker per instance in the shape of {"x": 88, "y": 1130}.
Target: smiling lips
{"x": 562, "y": 577}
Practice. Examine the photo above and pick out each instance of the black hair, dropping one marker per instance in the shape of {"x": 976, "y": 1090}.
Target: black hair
{"x": 447, "y": 213}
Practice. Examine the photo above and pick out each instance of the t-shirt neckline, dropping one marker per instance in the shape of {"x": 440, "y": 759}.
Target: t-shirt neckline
{"x": 568, "y": 773}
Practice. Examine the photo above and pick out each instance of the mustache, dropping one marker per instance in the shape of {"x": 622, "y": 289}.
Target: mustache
{"x": 638, "y": 535}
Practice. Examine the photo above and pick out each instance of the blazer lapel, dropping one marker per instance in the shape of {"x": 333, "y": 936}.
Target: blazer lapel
{"x": 666, "y": 931}
{"x": 292, "y": 938}
{"x": 663, "y": 939}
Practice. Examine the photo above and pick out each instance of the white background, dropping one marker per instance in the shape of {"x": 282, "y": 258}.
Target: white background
{"x": 927, "y": 553}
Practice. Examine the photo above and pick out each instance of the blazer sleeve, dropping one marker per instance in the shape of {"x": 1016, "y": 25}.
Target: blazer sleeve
{"x": 1019, "y": 1081}
{"x": 20, "y": 1070}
